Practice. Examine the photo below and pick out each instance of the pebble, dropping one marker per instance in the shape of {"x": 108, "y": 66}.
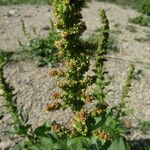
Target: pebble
{"x": 11, "y": 13}
{"x": 2, "y": 32}
{"x": 46, "y": 27}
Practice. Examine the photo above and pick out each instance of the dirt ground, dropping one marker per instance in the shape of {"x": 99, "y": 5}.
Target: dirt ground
{"x": 33, "y": 85}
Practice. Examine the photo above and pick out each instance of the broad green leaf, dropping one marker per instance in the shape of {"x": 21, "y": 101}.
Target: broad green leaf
{"x": 45, "y": 143}
{"x": 77, "y": 143}
{"x": 99, "y": 121}
{"x": 119, "y": 144}
{"x": 20, "y": 129}
{"x": 42, "y": 129}
{"x": 61, "y": 145}
{"x": 53, "y": 136}
{"x": 94, "y": 144}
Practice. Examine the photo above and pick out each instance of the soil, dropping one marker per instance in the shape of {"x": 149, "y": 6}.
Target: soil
{"x": 34, "y": 86}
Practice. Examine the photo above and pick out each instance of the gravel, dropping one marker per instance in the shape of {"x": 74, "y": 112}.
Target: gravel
{"x": 34, "y": 85}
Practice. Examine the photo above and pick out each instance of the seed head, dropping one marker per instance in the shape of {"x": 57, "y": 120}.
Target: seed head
{"x": 56, "y": 95}
{"x": 54, "y": 106}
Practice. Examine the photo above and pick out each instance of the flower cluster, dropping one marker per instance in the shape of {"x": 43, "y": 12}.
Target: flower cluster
{"x": 102, "y": 135}
{"x": 80, "y": 121}
{"x": 56, "y": 72}
{"x": 53, "y": 106}
{"x": 73, "y": 51}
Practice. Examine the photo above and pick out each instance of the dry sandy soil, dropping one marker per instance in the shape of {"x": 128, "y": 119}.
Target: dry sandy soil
{"x": 33, "y": 85}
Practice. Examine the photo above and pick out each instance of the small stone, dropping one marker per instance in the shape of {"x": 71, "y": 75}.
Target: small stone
{"x": 28, "y": 16}
{"x": 46, "y": 27}
{"x": 11, "y": 12}
{"x": 1, "y": 116}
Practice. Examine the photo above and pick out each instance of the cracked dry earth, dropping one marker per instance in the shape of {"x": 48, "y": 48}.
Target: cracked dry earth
{"x": 34, "y": 85}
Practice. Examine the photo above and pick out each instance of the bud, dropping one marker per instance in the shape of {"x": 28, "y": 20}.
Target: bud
{"x": 58, "y": 44}
{"x": 89, "y": 98}
{"x": 64, "y": 34}
{"x": 53, "y": 72}
{"x": 56, "y": 128}
{"x": 103, "y": 135}
{"x": 56, "y": 95}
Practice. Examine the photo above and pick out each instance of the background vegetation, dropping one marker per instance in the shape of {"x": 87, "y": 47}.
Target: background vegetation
{"x": 8, "y": 2}
{"x": 133, "y": 3}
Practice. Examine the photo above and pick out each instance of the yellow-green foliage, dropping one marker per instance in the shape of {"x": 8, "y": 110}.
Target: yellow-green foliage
{"x": 6, "y": 90}
{"x": 101, "y": 52}
{"x": 73, "y": 51}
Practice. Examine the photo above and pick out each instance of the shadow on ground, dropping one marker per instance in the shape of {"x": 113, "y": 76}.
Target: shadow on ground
{"x": 140, "y": 144}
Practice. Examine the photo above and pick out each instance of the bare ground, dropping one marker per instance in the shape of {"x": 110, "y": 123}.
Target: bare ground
{"x": 33, "y": 85}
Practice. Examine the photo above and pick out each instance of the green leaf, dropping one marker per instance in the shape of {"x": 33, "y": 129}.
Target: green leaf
{"x": 100, "y": 121}
{"x": 53, "y": 136}
{"x": 61, "y": 145}
{"x": 42, "y": 129}
{"x": 77, "y": 143}
{"x": 20, "y": 129}
{"x": 119, "y": 144}
{"x": 42, "y": 143}
{"x": 94, "y": 144}
{"x": 45, "y": 143}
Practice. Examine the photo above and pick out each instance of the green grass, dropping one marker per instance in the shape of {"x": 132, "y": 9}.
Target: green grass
{"x": 41, "y": 49}
{"x": 9, "y": 2}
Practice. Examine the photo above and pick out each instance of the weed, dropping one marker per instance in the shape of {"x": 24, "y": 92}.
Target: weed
{"x": 4, "y": 56}
{"x": 94, "y": 40}
{"x": 96, "y": 123}
{"x": 141, "y": 20}
{"x": 125, "y": 93}
{"x": 101, "y": 52}
{"x": 125, "y": 3}
{"x": 144, "y": 7}
{"x": 145, "y": 126}
{"x": 19, "y": 118}
{"x": 42, "y": 49}
{"x": 8, "y": 2}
